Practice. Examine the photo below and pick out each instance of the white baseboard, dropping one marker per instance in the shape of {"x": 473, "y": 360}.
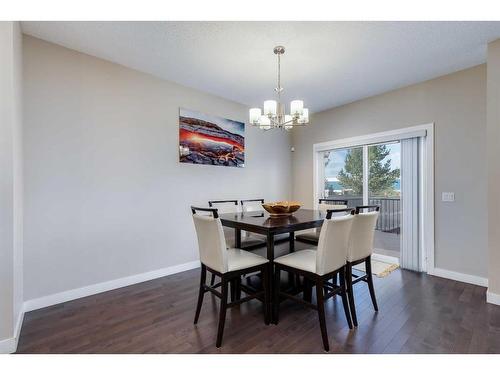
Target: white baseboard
{"x": 492, "y": 298}
{"x": 10, "y": 345}
{"x": 89, "y": 290}
{"x": 457, "y": 276}
{"x": 385, "y": 258}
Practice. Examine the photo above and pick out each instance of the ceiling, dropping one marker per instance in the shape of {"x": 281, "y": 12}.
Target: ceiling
{"x": 326, "y": 64}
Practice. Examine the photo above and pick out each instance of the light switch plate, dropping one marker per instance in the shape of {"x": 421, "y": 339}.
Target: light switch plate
{"x": 448, "y": 196}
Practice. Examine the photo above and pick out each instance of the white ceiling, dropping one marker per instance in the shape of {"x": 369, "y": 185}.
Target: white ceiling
{"x": 326, "y": 63}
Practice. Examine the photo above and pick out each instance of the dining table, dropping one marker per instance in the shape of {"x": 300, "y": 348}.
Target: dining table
{"x": 263, "y": 223}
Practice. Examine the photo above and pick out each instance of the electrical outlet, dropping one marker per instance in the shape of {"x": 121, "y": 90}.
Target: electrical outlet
{"x": 448, "y": 197}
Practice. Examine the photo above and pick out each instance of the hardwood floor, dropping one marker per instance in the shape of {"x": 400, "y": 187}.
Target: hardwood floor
{"x": 418, "y": 314}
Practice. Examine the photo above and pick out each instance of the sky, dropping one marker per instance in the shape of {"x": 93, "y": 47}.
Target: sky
{"x": 232, "y": 126}
{"x": 337, "y": 160}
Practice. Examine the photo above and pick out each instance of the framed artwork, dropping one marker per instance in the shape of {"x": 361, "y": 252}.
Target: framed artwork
{"x": 212, "y": 140}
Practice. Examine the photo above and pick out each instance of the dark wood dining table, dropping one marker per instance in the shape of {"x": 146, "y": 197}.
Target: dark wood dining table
{"x": 263, "y": 223}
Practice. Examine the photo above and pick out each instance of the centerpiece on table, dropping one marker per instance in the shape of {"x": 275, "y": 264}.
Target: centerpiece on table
{"x": 282, "y": 208}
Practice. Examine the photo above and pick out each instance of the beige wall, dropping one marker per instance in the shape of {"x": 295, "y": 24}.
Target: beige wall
{"x": 456, "y": 103}
{"x": 11, "y": 189}
{"x": 493, "y": 142}
{"x": 105, "y": 195}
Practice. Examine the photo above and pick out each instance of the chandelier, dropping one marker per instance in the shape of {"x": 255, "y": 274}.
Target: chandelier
{"x": 274, "y": 115}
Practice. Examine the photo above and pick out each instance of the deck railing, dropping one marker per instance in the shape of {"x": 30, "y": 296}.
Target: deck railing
{"x": 390, "y": 211}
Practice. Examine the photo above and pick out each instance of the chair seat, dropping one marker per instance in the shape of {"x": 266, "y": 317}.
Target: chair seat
{"x": 312, "y": 236}
{"x": 303, "y": 260}
{"x": 238, "y": 259}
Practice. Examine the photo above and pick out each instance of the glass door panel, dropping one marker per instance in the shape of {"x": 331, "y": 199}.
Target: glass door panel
{"x": 384, "y": 190}
{"x": 343, "y": 175}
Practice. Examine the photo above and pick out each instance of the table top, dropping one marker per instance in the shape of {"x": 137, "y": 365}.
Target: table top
{"x": 262, "y": 222}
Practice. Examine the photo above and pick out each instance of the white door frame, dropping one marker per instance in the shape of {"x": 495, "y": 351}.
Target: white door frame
{"x": 426, "y": 198}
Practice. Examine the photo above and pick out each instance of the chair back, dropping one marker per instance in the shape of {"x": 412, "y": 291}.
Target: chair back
{"x": 226, "y": 206}
{"x": 329, "y": 204}
{"x": 211, "y": 241}
{"x": 250, "y": 205}
{"x": 362, "y": 234}
{"x": 333, "y": 243}
{"x": 368, "y": 208}
{"x": 336, "y": 203}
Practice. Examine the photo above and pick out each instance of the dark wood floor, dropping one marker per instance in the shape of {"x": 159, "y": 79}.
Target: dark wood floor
{"x": 418, "y": 314}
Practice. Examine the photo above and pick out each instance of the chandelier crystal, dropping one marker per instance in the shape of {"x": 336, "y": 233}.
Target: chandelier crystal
{"x": 273, "y": 116}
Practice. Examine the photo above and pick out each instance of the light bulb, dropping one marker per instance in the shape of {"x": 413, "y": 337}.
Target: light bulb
{"x": 270, "y": 107}
{"x": 255, "y": 114}
{"x": 264, "y": 123}
{"x": 296, "y": 107}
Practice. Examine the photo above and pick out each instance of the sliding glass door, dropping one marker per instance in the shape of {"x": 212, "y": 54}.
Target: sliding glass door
{"x": 365, "y": 175}
{"x": 393, "y": 170}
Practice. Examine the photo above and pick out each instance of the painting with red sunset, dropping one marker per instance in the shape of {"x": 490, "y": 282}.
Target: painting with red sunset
{"x": 213, "y": 140}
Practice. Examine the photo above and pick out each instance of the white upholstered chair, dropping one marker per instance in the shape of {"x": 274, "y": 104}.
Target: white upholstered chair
{"x": 319, "y": 266}
{"x": 227, "y": 207}
{"x": 252, "y": 205}
{"x": 323, "y": 205}
{"x": 228, "y": 264}
{"x": 360, "y": 251}
{"x": 249, "y": 239}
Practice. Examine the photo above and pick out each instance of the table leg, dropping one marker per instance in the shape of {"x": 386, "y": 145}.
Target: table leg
{"x": 291, "y": 276}
{"x": 270, "y": 247}
{"x": 236, "y": 285}
{"x": 237, "y": 238}
{"x": 270, "y": 256}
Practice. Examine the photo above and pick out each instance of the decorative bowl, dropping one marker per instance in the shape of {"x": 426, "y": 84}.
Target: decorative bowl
{"x": 283, "y": 208}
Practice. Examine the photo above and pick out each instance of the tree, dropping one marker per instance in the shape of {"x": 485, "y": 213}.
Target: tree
{"x": 382, "y": 178}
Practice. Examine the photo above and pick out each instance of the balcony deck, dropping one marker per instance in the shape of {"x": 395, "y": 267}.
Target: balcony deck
{"x": 386, "y": 243}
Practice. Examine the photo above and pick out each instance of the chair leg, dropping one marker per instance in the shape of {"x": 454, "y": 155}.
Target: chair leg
{"x": 222, "y": 312}
{"x": 343, "y": 295}
{"x": 368, "y": 267}
{"x": 350, "y": 293}
{"x": 334, "y": 281}
{"x": 276, "y": 299}
{"x": 201, "y": 293}
{"x": 307, "y": 294}
{"x": 212, "y": 280}
{"x": 265, "y": 278}
{"x": 238, "y": 288}
{"x": 321, "y": 312}
{"x": 232, "y": 291}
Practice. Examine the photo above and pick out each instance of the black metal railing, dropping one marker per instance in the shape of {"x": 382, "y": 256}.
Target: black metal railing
{"x": 389, "y": 219}
{"x": 390, "y": 211}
